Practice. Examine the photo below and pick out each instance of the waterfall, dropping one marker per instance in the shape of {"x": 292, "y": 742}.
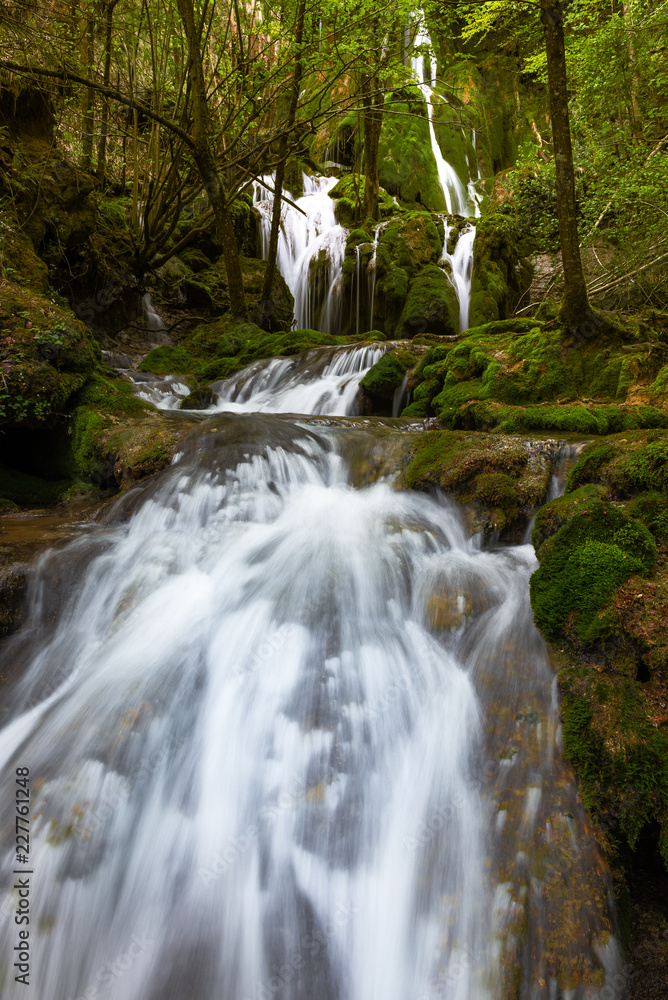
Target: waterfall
{"x": 291, "y": 738}
{"x": 456, "y": 196}
{"x": 324, "y": 380}
{"x": 309, "y": 233}
{"x": 372, "y": 268}
{"x": 461, "y": 267}
{"x": 152, "y": 320}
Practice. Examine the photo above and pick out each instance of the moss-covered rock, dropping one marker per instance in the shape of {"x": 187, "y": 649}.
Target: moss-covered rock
{"x": 499, "y": 275}
{"x": 116, "y": 438}
{"x": 620, "y": 755}
{"x": 55, "y": 199}
{"x": 601, "y": 595}
{"x": 46, "y": 355}
{"x": 215, "y": 350}
{"x": 348, "y": 193}
{"x": 431, "y": 306}
{"x": 582, "y": 565}
{"x": 521, "y": 376}
{"x": 498, "y": 477}
{"x": 19, "y": 263}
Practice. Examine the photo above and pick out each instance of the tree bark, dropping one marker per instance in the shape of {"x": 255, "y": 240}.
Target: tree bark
{"x": 88, "y": 103}
{"x": 575, "y": 303}
{"x": 280, "y": 167}
{"x": 206, "y": 163}
{"x": 104, "y": 120}
{"x": 372, "y": 104}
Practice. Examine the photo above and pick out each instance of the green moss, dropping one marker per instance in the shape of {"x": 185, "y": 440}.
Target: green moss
{"x": 652, "y": 509}
{"x": 46, "y": 355}
{"x": 431, "y": 305}
{"x": 586, "y": 469}
{"x": 102, "y": 403}
{"x": 498, "y": 277}
{"x": 215, "y": 350}
{"x": 348, "y": 194}
{"x": 643, "y": 469}
{"x": 582, "y": 565}
{"x": 553, "y": 515}
{"x": 621, "y": 758}
{"x": 406, "y": 164}
{"x": 385, "y": 377}
{"x": 168, "y": 360}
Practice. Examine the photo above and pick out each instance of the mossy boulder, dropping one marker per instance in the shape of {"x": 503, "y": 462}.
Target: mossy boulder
{"x": 215, "y": 350}
{"x": 499, "y": 478}
{"x": 379, "y": 385}
{"x": 582, "y": 565}
{"x": 116, "y": 439}
{"x": 431, "y": 306}
{"x": 615, "y": 483}
{"x": 19, "y": 262}
{"x": 46, "y": 355}
{"x": 499, "y": 276}
{"x": 54, "y": 198}
{"x": 620, "y": 755}
{"x": 523, "y": 375}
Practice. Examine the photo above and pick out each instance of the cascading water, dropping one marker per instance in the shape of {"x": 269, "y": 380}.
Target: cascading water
{"x": 455, "y": 193}
{"x": 459, "y": 200}
{"x": 309, "y": 232}
{"x": 324, "y": 381}
{"x": 292, "y": 738}
{"x": 153, "y": 321}
{"x": 461, "y": 267}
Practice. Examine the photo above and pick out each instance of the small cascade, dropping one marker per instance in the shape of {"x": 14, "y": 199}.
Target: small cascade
{"x": 474, "y": 195}
{"x": 325, "y": 380}
{"x": 357, "y": 283}
{"x": 401, "y": 397}
{"x": 456, "y": 196}
{"x": 461, "y": 267}
{"x": 372, "y": 269}
{"x": 165, "y": 392}
{"x": 311, "y": 249}
{"x": 152, "y": 319}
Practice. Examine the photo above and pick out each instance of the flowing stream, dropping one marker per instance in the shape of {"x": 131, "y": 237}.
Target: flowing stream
{"x": 290, "y": 729}
{"x": 291, "y": 733}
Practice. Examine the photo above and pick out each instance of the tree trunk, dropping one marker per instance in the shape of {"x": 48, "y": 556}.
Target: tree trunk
{"x": 104, "y": 120}
{"x": 372, "y": 104}
{"x": 575, "y": 305}
{"x": 206, "y": 164}
{"x": 88, "y": 103}
{"x": 280, "y": 168}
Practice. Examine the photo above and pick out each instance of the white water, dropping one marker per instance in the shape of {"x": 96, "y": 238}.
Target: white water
{"x": 164, "y": 392}
{"x": 323, "y": 381}
{"x": 461, "y": 267}
{"x": 152, "y": 319}
{"x": 456, "y": 196}
{"x": 304, "y": 236}
{"x": 258, "y": 770}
